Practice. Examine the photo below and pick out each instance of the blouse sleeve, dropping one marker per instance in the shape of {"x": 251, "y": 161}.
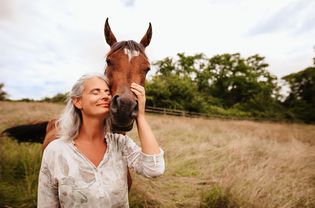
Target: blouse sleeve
{"x": 47, "y": 195}
{"x": 146, "y": 165}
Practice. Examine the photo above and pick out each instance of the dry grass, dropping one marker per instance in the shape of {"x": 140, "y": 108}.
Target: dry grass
{"x": 254, "y": 164}
{"x": 15, "y": 113}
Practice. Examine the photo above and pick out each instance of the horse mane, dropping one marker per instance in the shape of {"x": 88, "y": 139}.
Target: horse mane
{"x": 129, "y": 44}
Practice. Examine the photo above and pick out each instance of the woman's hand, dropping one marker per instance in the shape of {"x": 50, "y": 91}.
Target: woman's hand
{"x": 140, "y": 93}
{"x": 148, "y": 142}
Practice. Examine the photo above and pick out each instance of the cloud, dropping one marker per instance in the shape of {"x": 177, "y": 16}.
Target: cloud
{"x": 44, "y": 44}
{"x": 128, "y": 3}
{"x": 47, "y": 45}
{"x": 5, "y": 10}
{"x": 297, "y": 17}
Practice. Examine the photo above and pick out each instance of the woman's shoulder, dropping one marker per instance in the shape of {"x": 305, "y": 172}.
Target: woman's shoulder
{"x": 57, "y": 145}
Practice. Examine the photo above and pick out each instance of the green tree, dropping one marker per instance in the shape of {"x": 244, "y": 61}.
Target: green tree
{"x": 3, "y": 94}
{"x": 58, "y": 98}
{"x": 165, "y": 67}
{"x": 190, "y": 66}
{"x": 228, "y": 81}
{"x": 174, "y": 92}
{"x": 301, "y": 99}
{"x": 235, "y": 80}
{"x": 185, "y": 66}
{"x": 173, "y": 85}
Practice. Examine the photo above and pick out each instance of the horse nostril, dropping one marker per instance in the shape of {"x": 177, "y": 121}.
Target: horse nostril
{"x": 124, "y": 107}
{"x": 115, "y": 104}
{"x": 134, "y": 110}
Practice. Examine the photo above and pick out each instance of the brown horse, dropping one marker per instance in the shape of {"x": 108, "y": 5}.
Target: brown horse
{"x": 126, "y": 63}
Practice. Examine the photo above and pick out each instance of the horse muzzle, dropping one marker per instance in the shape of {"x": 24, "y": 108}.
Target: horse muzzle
{"x": 123, "y": 111}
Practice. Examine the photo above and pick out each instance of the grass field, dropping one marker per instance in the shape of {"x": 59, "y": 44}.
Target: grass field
{"x": 209, "y": 163}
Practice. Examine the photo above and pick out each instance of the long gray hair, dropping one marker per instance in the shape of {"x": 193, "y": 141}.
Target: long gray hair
{"x": 70, "y": 120}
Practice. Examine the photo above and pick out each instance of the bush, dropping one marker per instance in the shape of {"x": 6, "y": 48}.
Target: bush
{"x": 59, "y": 98}
{"x": 216, "y": 198}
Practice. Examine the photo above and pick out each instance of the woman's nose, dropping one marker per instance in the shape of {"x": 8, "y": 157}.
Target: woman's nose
{"x": 106, "y": 96}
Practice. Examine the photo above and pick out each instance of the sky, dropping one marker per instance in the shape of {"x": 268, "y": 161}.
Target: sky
{"x": 46, "y": 45}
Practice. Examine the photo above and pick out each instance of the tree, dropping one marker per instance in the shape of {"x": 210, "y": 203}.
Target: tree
{"x": 174, "y": 92}
{"x": 236, "y": 80}
{"x": 58, "y": 98}
{"x": 185, "y": 66}
{"x": 198, "y": 83}
{"x": 165, "y": 67}
{"x": 301, "y": 100}
{"x": 173, "y": 85}
{"x": 3, "y": 94}
{"x": 180, "y": 71}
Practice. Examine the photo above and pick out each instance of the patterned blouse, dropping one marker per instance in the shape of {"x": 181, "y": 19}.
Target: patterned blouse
{"x": 68, "y": 179}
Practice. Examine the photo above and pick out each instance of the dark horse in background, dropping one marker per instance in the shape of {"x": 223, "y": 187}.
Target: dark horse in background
{"x": 126, "y": 63}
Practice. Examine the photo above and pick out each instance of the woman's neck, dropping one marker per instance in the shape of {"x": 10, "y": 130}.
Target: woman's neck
{"x": 92, "y": 129}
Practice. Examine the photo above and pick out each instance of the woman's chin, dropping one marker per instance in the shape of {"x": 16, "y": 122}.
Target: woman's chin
{"x": 101, "y": 114}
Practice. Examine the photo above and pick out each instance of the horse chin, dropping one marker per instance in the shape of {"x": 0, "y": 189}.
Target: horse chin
{"x": 121, "y": 123}
{"x": 118, "y": 128}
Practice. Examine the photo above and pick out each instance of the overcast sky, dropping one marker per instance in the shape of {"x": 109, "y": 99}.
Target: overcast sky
{"x": 47, "y": 44}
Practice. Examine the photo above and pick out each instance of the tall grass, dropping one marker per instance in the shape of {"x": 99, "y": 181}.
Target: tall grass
{"x": 19, "y": 163}
{"x": 209, "y": 163}
{"x": 19, "y": 169}
{"x": 252, "y": 164}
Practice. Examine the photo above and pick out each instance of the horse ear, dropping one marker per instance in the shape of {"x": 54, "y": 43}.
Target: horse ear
{"x": 145, "y": 41}
{"x": 109, "y": 36}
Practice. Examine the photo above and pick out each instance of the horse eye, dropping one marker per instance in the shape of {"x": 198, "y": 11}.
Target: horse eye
{"x": 108, "y": 62}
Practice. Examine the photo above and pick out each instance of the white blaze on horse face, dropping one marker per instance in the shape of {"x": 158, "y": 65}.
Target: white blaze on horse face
{"x": 131, "y": 54}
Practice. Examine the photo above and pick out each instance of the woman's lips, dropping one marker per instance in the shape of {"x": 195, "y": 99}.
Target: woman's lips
{"x": 104, "y": 105}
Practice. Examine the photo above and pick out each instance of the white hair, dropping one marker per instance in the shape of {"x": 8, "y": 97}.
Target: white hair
{"x": 70, "y": 120}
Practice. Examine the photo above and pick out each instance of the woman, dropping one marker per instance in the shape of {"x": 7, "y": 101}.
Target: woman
{"x": 87, "y": 166}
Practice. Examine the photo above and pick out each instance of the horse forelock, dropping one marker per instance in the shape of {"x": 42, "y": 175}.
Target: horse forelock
{"x": 130, "y": 47}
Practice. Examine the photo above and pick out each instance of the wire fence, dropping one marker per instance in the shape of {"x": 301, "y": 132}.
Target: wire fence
{"x": 174, "y": 112}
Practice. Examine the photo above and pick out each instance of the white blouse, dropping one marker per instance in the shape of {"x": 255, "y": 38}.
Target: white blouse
{"x": 68, "y": 179}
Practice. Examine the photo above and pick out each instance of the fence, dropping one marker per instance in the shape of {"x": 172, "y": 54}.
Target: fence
{"x": 166, "y": 111}
{"x": 173, "y": 112}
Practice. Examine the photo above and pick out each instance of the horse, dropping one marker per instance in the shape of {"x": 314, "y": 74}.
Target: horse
{"x": 126, "y": 62}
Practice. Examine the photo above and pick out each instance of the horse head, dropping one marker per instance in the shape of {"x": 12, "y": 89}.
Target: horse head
{"x": 126, "y": 63}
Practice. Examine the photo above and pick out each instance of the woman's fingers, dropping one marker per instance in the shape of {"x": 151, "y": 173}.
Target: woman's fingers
{"x": 139, "y": 91}
{"x": 136, "y": 92}
{"x": 137, "y": 87}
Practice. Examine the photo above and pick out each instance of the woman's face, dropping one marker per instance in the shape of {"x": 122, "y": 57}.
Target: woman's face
{"x": 95, "y": 99}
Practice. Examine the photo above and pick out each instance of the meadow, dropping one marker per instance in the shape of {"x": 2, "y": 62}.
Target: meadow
{"x": 209, "y": 162}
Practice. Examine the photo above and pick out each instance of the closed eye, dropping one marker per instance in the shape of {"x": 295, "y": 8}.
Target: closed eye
{"x": 95, "y": 92}
{"x": 107, "y": 91}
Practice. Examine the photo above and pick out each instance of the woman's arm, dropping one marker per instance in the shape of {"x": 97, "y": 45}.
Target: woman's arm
{"x": 47, "y": 195}
{"x": 148, "y": 165}
{"x": 149, "y": 161}
{"x": 149, "y": 145}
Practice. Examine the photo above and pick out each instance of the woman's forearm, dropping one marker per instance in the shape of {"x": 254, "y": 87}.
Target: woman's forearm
{"x": 149, "y": 144}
